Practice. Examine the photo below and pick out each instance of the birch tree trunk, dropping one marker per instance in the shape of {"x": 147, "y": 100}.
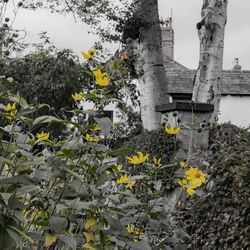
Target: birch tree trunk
{"x": 149, "y": 63}
{"x": 211, "y": 29}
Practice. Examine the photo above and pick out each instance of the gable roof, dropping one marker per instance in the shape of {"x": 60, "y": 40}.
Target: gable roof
{"x": 233, "y": 82}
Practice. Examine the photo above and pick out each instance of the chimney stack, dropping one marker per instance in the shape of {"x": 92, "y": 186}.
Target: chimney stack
{"x": 167, "y": 34}
{"x": 236, "y": 65}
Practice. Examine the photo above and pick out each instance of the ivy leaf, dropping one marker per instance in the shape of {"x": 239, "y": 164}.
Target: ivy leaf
{"x": 50, "y": 239}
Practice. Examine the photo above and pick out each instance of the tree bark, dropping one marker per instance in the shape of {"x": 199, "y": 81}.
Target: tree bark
{"x": 149, "y": 63}
{"x": 211, "y": 29}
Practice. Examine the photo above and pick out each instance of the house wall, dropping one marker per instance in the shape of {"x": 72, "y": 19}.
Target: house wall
{"x": 235, "y": 109}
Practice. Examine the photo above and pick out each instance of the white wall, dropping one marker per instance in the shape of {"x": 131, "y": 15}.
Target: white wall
{"x": 235, "y": 109}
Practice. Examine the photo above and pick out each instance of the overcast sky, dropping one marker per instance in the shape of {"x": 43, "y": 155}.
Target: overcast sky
{"x": 65, "y": 33}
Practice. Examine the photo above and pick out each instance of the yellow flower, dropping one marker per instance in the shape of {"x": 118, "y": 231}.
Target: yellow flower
{"x": 195, "y": 177}
{"x": 90, "y": 54}
{"x": 12, "y": 109}
{"x": 185, "y": 186}
{"x": 136, "y": 160}
{"x": 119, "y": 167}
{"x": 157, "y": 162}
{"x": 171, "y": 130}
{"x": 90, "y": 138}
{"x": 43, "y": 136}
{"x": 130, "y": 184}
{"x": 123, "y": 179}
{"x": 77, "y": 97}
{"x": 124, "y": 58}
{"x": 103, "y": 81}
{"x": 183, "y": 164}
{"x": 132, "y": 230}
{"x": 95, "y": 127}
{"x": 99, "y": 74}
{"x": 10, "y": 79}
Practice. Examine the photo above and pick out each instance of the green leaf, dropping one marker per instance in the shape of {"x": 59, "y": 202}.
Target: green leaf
{"x": 16, "y": 237}
{"x": 18, "y": 99}
{"x": 89, "y": 72}
{"x": 116, "y": 65}
{"x": 115, "y": 225}
{"x": 118, "y": 151}
{"x": 22, "y": 179}
{"x": 114, "y": 197}
{"x": 6, "y": 197}
{"x": 49, "y": 239}
{"x": 44, "y": 118}
{"x": 140, "y": 245}
{"x": 5, "y": 240}
{"x": 26, "y": 189}
{"x": 19, "y": 215}
{"x": 69, "y": 240}
{"x": 74, "y": 144}
{"x": 105, "y": 125}
{"x": 57, "y": 224}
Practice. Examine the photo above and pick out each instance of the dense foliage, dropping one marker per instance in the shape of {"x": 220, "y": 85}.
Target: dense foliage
{"x": 220, "y": 219}
{"x": 74, "y": 193}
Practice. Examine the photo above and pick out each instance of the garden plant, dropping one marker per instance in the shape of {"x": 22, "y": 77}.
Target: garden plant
{"x": 74, "y": 193}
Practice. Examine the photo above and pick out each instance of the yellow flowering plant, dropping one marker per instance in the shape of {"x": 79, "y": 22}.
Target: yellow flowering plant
{"x": 77, "y": 96}
{"x": 88, "y": 137}
{"x": 123, "y": 179}
{"x": 71, "y": 179}
{"x": 103, "y": 81}
{"x": 171, "y": 130}
{"x": 90, "y": 55}
{"x": 12, "y": 110}
{"x": 138, "y": 160}
{"x": 43, "y": 136}
{"x": 157, "y": 162}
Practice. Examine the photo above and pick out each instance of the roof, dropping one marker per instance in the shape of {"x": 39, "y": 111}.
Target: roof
{"x": 233, "y": 82}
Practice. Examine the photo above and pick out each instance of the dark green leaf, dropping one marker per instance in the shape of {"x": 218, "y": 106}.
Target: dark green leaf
{"x": 140, "y": 245}
{"x": 118, "y": 151}
{"x": 57, "y": 224}
{"x": 26, "y": 189}
{"x": 6, "y": 197}
{"x": 16, "y": 237}
{"x": 68, "y": 239}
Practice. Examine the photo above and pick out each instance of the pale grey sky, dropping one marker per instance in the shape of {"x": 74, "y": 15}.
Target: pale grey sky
{"x": 65, "y": 33}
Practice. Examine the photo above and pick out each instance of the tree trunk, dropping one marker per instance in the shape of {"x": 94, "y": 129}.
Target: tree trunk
{"x": 207, "y": 82}
{"x": 149, "y": 63}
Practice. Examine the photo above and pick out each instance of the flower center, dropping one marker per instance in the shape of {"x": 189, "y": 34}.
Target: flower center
{"x": 198, "y": 175}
